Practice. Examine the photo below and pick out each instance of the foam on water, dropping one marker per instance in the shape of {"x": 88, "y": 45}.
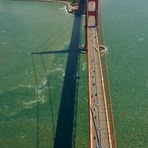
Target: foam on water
{"x": 66, "y": 10}
{"x": 141, "y": 39}
{"x": 84, "y": 66}
{"x": 22, "y": 101}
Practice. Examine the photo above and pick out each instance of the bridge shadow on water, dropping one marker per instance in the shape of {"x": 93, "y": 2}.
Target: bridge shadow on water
{"x": 65, "y": 133}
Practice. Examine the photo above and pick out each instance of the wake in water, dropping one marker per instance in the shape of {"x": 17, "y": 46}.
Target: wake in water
{"x": 105, "y": 51}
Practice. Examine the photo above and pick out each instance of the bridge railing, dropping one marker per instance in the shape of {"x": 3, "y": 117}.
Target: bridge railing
{"x": 108, "y": 100}
{"x": 104, "y": 62}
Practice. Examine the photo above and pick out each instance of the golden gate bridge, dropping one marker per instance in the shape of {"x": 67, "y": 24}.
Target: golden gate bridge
{"x": 101, "y": 120}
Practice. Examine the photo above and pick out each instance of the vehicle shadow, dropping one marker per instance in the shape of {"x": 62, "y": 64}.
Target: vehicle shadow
{"x": 65, "y": 129}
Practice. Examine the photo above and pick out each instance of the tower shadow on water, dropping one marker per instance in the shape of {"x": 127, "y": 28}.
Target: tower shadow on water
{"x": 65, "y": 133}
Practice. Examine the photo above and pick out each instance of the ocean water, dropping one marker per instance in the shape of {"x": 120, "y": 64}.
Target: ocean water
{"x": 126, "y": 31}
{"x": 29, "y": 108}
{"x": 32, "y": 86}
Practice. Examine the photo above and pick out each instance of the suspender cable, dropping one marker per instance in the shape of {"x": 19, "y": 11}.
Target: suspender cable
{"x": 108, "y": 83}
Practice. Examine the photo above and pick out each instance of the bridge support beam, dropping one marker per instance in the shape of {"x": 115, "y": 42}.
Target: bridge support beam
{"x": 89, "y": 12}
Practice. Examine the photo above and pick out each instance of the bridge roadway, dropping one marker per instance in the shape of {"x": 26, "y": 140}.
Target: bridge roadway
{"x": 98, "y": 116}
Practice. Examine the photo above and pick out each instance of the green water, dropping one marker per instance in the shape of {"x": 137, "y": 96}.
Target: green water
{"x": 25, "y": 119}
{"x": 126, "y": 32}
{"x": 32, "y": 26}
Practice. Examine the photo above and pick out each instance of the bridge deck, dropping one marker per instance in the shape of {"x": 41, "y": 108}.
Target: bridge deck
{"x": 99, "y": 133}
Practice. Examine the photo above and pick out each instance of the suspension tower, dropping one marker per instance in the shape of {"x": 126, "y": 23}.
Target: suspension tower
{"x": 90, "y": 12}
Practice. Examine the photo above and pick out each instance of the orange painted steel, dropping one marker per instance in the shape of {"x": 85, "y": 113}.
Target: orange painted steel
{"x": 88, "y": 59}
{"x": 105, "y": 99}
{"x": 108, "y": 102}
{"x": 110, "y": 112}
{"x": 89, "y": 100}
